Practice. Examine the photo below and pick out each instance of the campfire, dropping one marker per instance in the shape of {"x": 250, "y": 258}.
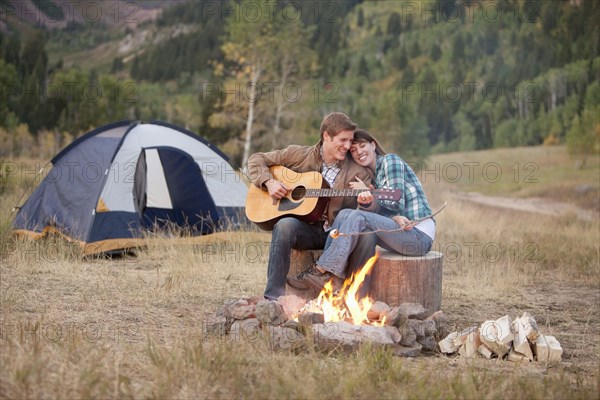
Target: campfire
{"x": 345, "y": 304}
{"x": 343, "y": 320}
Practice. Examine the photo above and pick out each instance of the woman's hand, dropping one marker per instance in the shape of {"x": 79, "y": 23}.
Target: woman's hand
{"x": 365, "y": 199}
{"x": 404, "y": 223}
{"x": 359, "y": 184}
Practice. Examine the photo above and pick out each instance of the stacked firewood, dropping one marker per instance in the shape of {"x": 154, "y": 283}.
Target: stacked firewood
{"x": 516, "y": 340}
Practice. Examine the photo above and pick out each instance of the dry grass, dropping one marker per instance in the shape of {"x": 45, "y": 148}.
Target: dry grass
{"x": 131, "y": 327}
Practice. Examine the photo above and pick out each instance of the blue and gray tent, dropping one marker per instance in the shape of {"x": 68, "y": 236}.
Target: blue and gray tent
{"x": 111, "y": 186}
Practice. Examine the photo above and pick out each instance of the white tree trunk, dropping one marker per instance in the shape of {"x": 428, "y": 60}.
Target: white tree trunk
{"x": 285, "y": 72}
{"x": 248, "y": 141}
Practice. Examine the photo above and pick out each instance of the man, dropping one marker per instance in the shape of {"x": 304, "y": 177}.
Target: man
{"x": 330, "y": 157}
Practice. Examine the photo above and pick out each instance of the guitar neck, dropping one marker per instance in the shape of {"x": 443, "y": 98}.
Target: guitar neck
{"x": 333, "y": 192}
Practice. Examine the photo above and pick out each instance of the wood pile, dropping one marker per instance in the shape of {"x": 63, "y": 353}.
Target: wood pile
{"x": 516, "y": 340}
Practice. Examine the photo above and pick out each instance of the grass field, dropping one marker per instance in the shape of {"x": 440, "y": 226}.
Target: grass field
{"x": 132, "y": 327}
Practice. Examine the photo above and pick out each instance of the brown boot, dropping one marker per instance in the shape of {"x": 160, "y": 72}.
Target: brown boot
{"x": 312, "y": 278}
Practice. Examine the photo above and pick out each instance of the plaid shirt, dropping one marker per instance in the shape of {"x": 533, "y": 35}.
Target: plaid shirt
{"x": 392, "y": 172}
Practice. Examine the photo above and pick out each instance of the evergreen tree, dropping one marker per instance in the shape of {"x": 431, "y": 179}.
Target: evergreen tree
{"x": 436, "y": 52}
{"x": 394, "y": 26}
{"x": 400, "y": 59}
{"x": 360, "y": 19}
{"x": 415, "y": 50}
{"x": 409, "y": 74}
{"x": 363, "y": 68}
{"x": 458, "y": 49}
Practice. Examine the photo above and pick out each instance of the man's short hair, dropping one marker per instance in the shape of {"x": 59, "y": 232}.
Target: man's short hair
{"x": 336, "y": 122}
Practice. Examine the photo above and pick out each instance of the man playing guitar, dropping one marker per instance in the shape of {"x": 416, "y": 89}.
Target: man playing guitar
{"x": 330, "y": 157}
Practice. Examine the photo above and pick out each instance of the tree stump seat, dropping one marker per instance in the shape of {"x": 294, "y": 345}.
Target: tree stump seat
{"x": 396, "y": 278}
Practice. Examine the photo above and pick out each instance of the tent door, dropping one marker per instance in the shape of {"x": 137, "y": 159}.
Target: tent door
{"x": 169, "y": 191}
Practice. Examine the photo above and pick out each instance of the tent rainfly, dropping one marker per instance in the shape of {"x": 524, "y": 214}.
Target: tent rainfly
{"x": 110, "y": 186}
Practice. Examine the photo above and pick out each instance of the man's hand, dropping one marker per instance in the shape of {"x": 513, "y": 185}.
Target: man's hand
{"x": 403, "y": 222}
{"x": 277, "y": 189}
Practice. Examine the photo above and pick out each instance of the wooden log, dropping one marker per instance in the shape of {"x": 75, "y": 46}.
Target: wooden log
{"x": 400, "y": 279}
{"x": 302, "y": 259}
{"x": 520, "y": 343}
{"x": 396, "y": 278}
{"x": 540, "y": 349}
{"x": 554, "y": 349}
{"x": 299, "y": 261}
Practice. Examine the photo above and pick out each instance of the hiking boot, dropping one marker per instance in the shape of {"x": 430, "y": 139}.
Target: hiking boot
{"x": 312, "y": 278}
{"x": 299, "y": 281}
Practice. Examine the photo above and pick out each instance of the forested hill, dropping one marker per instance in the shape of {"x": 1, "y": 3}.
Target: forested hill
{"x": 423, "y": 75}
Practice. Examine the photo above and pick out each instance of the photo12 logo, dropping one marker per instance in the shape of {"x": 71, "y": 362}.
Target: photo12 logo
{"x": 72, "y": 91}
{"x": 328, "y": 12}
{"x": 469, "y": 11}
{"x": 61, "y": 13}
{"x": 453, "y": 92}
{"x": 272, "y": 91}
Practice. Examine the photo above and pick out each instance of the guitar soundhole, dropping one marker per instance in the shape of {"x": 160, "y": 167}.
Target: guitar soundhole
{"x": 298, "y": 193}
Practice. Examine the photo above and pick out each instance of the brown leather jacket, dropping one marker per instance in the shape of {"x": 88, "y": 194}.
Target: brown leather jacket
{"x": 305, "y": 159}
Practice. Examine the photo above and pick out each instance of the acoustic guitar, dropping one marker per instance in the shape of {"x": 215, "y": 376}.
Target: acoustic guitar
{"x": 306, "y": 200}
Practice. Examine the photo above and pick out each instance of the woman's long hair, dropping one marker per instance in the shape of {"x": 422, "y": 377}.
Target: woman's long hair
{"x": 362, "y": 136}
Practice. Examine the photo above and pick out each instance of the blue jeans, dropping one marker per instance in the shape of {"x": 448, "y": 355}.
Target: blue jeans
{"x": 337, "y": 251}
{"x": 289, "y": 233}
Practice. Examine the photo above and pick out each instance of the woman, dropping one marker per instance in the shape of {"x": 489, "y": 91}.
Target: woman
{"x": 379, "y": 216}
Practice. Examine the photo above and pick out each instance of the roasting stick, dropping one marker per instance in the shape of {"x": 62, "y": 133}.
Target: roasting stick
{"x": 335, "y": 233}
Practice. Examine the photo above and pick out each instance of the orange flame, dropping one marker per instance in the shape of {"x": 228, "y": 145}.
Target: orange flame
{"x": 346, "y": 304}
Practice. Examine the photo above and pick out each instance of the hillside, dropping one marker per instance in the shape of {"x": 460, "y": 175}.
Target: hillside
{"x": 424, "y": 76}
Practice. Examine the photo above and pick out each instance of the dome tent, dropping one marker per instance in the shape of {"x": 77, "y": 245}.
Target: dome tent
{"x": 113, "y": 184}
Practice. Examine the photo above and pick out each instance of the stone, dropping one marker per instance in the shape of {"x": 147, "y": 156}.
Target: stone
{"x": 404, "y": 351}
{"x": 540, "y": 349}
{"x": 292, "y": 325}
{"x": 395, "y": 317}
{"x": 247, "y": 330}
{"x": 253, "y": 300}
{"x": 394, "y": 333}
{"x": 291, "y": 304}
{"x": 408, "y": 334}
{"x": 554, "y": 349}
{"x": 422, "y": 328}
{"x": 348, "y": 337}
{"x": 442, "y": 325}
{"x": 242, "y": 312}
{"x": 430, "y": 327}
{"x": 310, "y": 318}
{"x": 281, "y": 338}
{"x": 270, "y": 312}
{"x": 414, "y": 310}
{"x": 377, "y": 311}
{"x": 428, "y": 343}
